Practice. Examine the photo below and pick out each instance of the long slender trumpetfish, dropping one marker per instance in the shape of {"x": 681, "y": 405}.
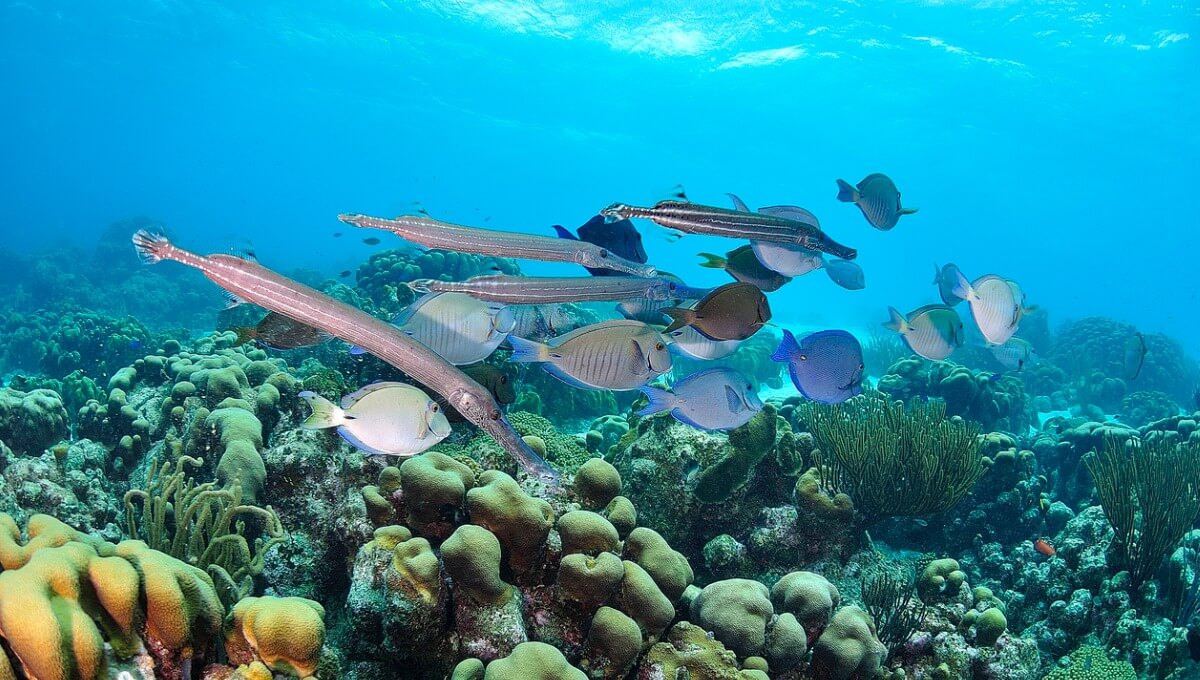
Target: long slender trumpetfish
{"x": 249, "y": 281}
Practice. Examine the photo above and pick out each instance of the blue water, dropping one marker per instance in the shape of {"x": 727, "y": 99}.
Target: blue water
{"x": 1054, "y": 143}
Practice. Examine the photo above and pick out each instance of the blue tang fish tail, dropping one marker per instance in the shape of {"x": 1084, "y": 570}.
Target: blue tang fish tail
{"x": 787, "y": 347}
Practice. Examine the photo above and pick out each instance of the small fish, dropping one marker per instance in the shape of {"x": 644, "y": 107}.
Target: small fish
{"x": 279, "y": 332}
{"x": 946, "y": 278}
{"x": 734, "y": 311}
{"x": 743, "y": 265}
{"x": 647, "y": 310}
{"x": 693, "y": 218}
{"x": 498, "y": 382}
{"x": 1045, "y": 547}
{"x": 611, "y": 355}
{"x": 337, "y": 234}
{"x": 135, "y": 344}
{"x": 538, "y": 322}
{"x": 345, "y": 274}
{"x": 688, "y": 342}
{"x": 826, "y": 366}
{"x": 716, "y": 399}
{"x": 932, "y": 331}
{"x": 877, "y": 197}
{"x": 1134, "y": 356}
{"x": 1015, "y": 355}
{"x": 847, "y": 274}
{"x": 620, "y": 238}
{"x": 993, "y": 306}
{"x": 386, "y": 417}
{"x": 458, "y": 327}
{"x": 371, "y": 241}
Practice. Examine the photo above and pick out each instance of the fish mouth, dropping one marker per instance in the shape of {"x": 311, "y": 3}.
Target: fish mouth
{"x": 351, "y": 218}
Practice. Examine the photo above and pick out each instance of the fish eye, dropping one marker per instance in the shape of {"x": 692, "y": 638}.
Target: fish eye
{"x": 494, "y": 414}
{"x": 603, "y": 252}
{"x": 504, "y": 380}
{"x": 658, "y": 346}
{"x": 803, "y": 357}
{"x": 434, "y": 408}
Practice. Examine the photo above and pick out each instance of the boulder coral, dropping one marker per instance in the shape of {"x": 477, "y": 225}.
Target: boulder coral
{"x": 286, "y": 634}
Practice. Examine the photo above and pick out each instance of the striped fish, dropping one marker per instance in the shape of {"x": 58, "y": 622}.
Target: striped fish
{"x": 458, "y": 327}
{"x": 877, "y": 197}
{"x": 993, "y": 304}
{"x": 932, "y": 331}
{"x": 611, "y": 355}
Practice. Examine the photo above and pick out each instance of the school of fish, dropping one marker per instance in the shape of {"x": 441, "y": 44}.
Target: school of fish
{"x": 442, "y": 339}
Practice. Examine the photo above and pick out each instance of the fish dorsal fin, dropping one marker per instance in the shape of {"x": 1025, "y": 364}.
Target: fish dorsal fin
{"x": 603, "y": 325}
{"x": 678, "y": 194}
{"x": 564, "y": 233}
{"x": 791, "y": 212}
{"x": 738, "y": 204}
{"x": 407, "y": 313}
{"x": 637, "y": 358}
{"x": 925, "y": 309}
{"x": 244, "y": 251}
{"x": 231, "y": 299}
{"x": 414, "y": 209}
{"x": 353, "y": 398}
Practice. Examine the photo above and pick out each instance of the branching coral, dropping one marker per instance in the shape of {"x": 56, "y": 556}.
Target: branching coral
{"x": 894, "y": 460}
{"x": 888, "y": 598}
{"x": 203, "y": 525}
{"x": 1150, "y": 491}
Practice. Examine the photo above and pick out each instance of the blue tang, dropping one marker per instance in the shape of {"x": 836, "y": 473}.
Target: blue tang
{"x": 715, "y": 399}
{"x": 826, "y": 366}
{"x": 620, "y": 238}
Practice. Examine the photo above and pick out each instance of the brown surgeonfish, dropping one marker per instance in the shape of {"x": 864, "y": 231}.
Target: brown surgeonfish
{"x": 743, "y": 265}
{"x": 251, "y": 282}
{"x": 279, "y": 332}
{"x": 734, "y": 311}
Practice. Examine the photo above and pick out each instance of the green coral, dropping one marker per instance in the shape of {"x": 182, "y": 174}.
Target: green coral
{"x": 894, "y": 460}
{"x": 1150, "y": 491}
{"x": 747, "y": 446}
{"x": 562, "y": 450}
{"x": 1091, "y": 663}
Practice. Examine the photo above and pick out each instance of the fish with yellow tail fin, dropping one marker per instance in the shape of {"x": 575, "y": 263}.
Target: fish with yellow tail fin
{"x": 387, "y": 418}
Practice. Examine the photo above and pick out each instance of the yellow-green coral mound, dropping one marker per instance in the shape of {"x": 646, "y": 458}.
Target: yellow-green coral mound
{"x": 1091, "y": 663}
{"x": 64, "y": 596}
{"x": 286, "y": 633}
{"x": 533, "y": 661}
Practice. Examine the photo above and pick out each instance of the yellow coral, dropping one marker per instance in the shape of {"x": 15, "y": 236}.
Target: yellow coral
{"x": 285, "y": 632}
{"x": 182, "y": 607}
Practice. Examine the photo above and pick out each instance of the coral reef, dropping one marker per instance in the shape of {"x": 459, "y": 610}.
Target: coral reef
{"x": 994, "y": 402}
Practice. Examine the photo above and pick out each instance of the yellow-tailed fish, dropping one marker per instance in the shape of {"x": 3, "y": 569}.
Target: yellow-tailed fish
{"x": 386, "y": 417}
{"x": 993, "y": 306}
{"x": 877, "y": 197}
{"x": 932, "y": 331}
{"x": 611, "y": 355}
{"x": 743, "y": 265}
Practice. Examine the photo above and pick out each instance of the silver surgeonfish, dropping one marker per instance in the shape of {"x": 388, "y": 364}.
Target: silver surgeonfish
{"x": 1015, "y": 355}
{"x": 993, "y": 305}
{"x": 650, "y": 311}
{"x": 457, "y": 326}
{"x": 611, "y": 355}
{"x": 877, "y": 197}
{"x": 386, "y": 417}
{"x": 715, "y": 399}
{"x": 932, "y": 331}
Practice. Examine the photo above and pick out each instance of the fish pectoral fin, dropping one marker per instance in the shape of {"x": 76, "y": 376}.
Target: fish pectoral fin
{"x": 638, "y": 359}
{"x": 734, "y": 399}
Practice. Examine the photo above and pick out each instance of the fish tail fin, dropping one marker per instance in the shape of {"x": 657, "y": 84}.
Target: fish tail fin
{"x": 713, "y": 261}
{"x": 526, "y": 351}
{"x": 152, "y": 247}
{"x": 244, "y": 334}
{"x": 660, "y": 400}
{"x": 680, "y": 317}
{"x": 325, "y": 413}
{"x": 787, "y": 347}
{"x": 897, "y": 322}
{"x": 937, "y": 273}
{"x": 963, "y": 287}
{"x": 564, "y": 233}
{"x": 846, "y": 192}
{"x": 908, "y": 211}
